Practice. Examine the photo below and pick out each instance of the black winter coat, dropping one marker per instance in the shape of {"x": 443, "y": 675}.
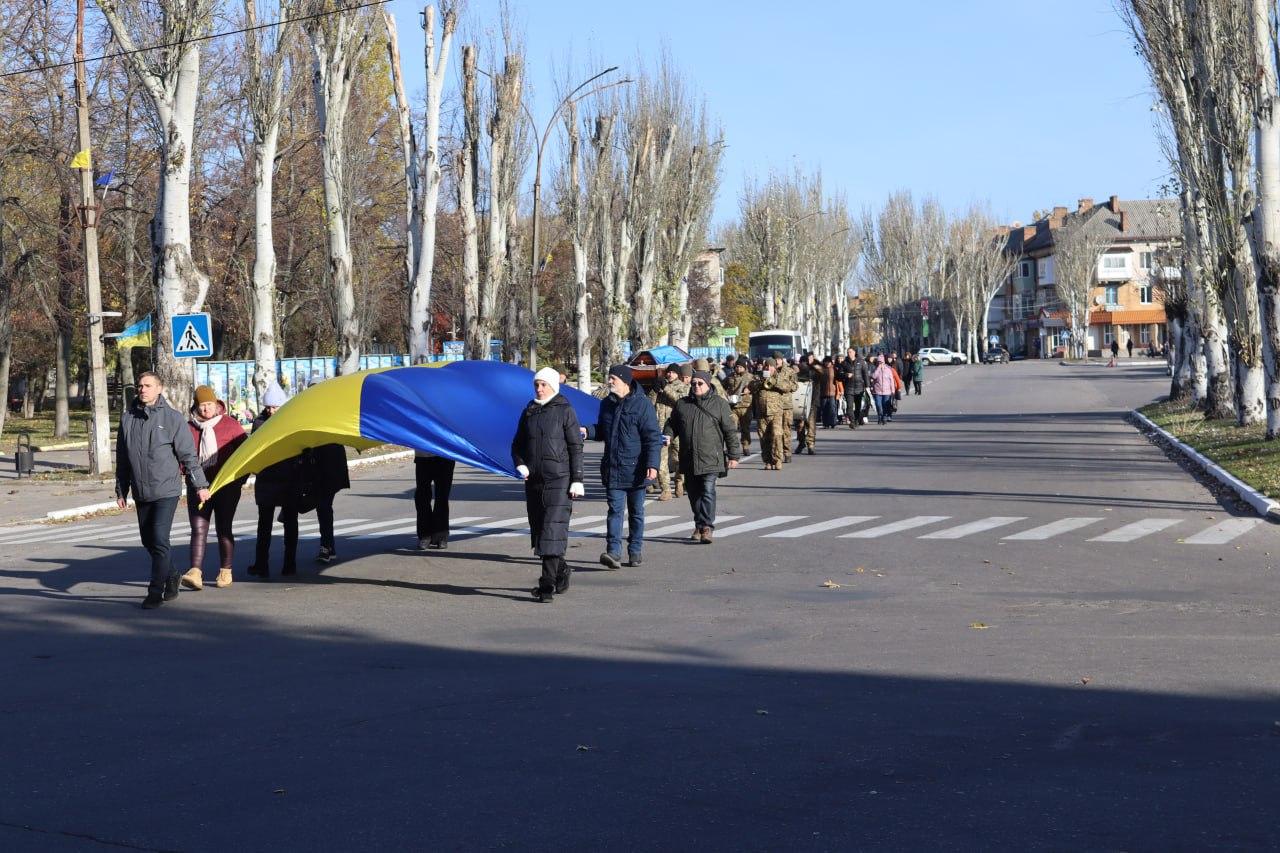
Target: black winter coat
{"x": 854, "y": 376}
{"x": 330, "y": 470}
{"x": 629, "y": 429}
{"x": 708, "y": 433}
{"x": 549, "y": 444}
{"x": 279, "y": 484}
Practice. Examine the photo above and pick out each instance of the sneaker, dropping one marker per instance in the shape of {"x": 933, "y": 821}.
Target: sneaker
{"x": 326, "y": 556}
{"x": 193, "y": 579}
{"x": 224, "y": 578}
{"x": 544, "y": 596}
{"x": 152, "y": 601}
{"x": 633, "y": 560}
{"x": 441, "y": 544}
{"x": 424, "y": 543}
{"x": 171, "y": 586}
{"x": 612, "y": 562}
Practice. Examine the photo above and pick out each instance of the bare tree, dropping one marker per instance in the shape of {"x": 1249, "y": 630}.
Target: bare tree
{"x": 338, "y": 42}
{"x": 170, "y": 79}
{"x": 1077, "y": 248}
{"x": 1266, "y": 223}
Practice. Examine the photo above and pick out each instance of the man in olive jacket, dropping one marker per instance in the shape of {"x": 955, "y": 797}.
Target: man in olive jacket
{"x": 709, "y": 446}
{"x": 153, "y": 441}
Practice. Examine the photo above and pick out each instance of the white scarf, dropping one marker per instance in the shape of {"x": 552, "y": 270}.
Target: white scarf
{"x": 208, "y": 452}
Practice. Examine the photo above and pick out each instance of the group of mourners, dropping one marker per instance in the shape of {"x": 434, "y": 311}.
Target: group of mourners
{"x": 159, "y": 454}
{"x": 677, "y": 437}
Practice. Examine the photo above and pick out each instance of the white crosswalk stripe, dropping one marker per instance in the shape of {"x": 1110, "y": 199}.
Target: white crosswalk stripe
{"x": 52, "y": 534}
{"x": 981, "y": 526}
{"x": 820, "y": 527}
{"x": 895, "y": 527}
{"x": 1223, "y": 531}
{"x": 574, "y": 522}
{"x": 486, "y": 529}
{"x": 771, "y": 521}
{"x": 685, "y": 527}
{"x": 1054, "y": 528}
{"x": 601, "y": 529}
{"x": 1137, "y": 530}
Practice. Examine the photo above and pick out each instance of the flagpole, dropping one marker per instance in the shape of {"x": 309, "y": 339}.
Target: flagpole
{"x": 100, "y": 461}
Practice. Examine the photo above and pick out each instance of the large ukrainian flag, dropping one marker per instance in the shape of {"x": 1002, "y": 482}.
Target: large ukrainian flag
{"x": 464, "y": 410}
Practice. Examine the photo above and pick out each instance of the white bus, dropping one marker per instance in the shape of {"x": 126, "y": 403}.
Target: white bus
{"x": 769, "y": 342}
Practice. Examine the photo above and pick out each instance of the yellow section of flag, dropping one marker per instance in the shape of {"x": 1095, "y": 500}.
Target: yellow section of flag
{"x": 81, "y": 160}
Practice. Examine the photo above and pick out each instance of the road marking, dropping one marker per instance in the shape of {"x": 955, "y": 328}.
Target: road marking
{"x": 1223, "y": 531}
{"x": 410, "y": 525}
{"x": 895, "y": 527}
{"x": 1137, "y": 530}
{"x": 487, "y": 529}
{"x": 963, "y": 530}
{"x": 66, "y": 535}
{"x": 771, "y": 521}
{"x": 683, "y": 527}
{"x": 604, "y": 528}
{"x": 1046, "y": 531}
{"x": 797, "y": 532}
{"x": 586, "y": 519}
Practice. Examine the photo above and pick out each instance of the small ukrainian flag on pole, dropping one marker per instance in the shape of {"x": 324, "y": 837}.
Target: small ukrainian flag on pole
{"x": 137, "y": 335}
{"x": 81, "y": 160}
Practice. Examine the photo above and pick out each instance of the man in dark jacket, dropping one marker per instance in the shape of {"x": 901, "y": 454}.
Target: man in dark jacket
{"x": 853, "y": 373}
{"x": 547, "y": 453}
{"x": 709, "y": 446}
{"x": 629, "y": 429}
{"x": 329, "y": 467}
{"x": 153, "y": 449}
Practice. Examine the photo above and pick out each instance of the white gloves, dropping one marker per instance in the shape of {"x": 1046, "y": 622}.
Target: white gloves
{"x": 733, "y": 398}
{"x": 576, "y": 490}
{"x": 523, "y": 471}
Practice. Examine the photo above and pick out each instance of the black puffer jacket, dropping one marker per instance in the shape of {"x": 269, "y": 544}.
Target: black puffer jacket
{"x": 708, "y": 433}
{"x": 279, "y": 484}
{"x": 549, "y": 444}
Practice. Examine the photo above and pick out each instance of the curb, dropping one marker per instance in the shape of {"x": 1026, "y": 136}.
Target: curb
{"x": 88, "y": 509}
{"x": 1263, "y": 505}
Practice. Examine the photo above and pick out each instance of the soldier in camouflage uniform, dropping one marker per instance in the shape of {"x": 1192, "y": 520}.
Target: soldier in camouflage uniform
{"x": 775, "y": 393}
{"x": 810, "y": 374}
{"x": 740, "y": 393}
{"x": 667, "y": 391}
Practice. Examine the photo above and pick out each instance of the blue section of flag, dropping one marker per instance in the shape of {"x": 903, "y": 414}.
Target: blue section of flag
{"x": 467, "y": 411}
{"x": 104, "y": 180}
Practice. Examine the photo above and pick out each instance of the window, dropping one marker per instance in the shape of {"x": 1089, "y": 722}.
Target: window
{"x": 1024, "y": 269}
{"x": 1114, "y": 262}
{"x": 1043, "y": 269}
{"x": 1112, "y": 294}
{"x": 1144, "y": 260}
{"x": 1144, "y": 334}
{"x": 1108, "y": 335}
{"x": 1144, "y": 293}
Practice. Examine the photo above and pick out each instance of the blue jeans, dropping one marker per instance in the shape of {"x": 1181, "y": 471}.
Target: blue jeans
{"x": 882, "y": 406}
{"x": 633, "y": 502}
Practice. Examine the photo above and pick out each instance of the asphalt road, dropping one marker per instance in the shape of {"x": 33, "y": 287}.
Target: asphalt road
{"x": 1039, "y": 634}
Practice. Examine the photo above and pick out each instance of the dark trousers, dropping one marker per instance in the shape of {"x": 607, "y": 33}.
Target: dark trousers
{"x": 324, "y": 517}
{"x": 853, "y": 408}
{"x": 434, "y": 478}
{"x": 222, "y": 508}
{"x": 917, "y": 383}
{"x": 266, "y": 518}
{"x": 829, "y": 411}
{"x": 630, "y": 502}
{"x": 155, "y": 520}
{"x": 702, "y": 499}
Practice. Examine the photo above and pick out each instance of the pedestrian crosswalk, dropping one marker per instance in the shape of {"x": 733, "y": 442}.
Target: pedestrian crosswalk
{"x": 1188, "y": 530}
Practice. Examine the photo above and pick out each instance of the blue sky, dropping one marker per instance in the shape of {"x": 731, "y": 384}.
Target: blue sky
{"x": 1023, "y": 106}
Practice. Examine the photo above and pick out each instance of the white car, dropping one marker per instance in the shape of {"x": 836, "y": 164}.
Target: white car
{"x": 941, "y": 355}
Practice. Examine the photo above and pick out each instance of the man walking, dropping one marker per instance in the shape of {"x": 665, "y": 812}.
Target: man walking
{"x": 663, "y": 409}
{"x": 709, "y": 447}
{"x": 775, "y": 391}
{"x": 739, "y": 386}
{"x": 672, "y": 392}
{"x": 853, "y": 372}
{"x": 433, "y": 480}
{"x": 152, "y": 442}
{"x": 629, "y": 429}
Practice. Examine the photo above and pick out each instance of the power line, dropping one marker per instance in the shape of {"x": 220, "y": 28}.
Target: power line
{"x": 209, "y": 37}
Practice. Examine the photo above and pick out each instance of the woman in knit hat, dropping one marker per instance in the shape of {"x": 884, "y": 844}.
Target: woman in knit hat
{"x": 547, "y": 452}
{"x": 216, "y": 436}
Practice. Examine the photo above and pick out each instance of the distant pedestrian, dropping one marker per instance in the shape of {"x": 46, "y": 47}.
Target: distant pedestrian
{"x": 216, "y": 436}
{"x": 739, "y": 386}
{"x": 433, "y": 478}
{"x": 917, "y": 375}
{"x": 329, "y": 476}
{"x": 853, "y": 371}
{"x": 883, "y": 386}
{"x": 153, "y": 449}
{"x": 629, "y": 429}
{"x": 774, "y": 406}
{"x": 708, "y": 449}
{"x": 277, "y": 491}
{"x": 830, "y": 409}
{"x": 547, "y": 452}
{"x": 1115, "y": 349}
{"x": 1129, "y": 346}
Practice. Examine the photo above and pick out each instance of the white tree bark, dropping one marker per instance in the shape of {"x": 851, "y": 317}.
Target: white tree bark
{"x": 171, "y": 81}
{"x": 1266, "y": 221}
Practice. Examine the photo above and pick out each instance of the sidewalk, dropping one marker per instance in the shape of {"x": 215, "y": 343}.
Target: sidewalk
{"x": 28, "y": 500}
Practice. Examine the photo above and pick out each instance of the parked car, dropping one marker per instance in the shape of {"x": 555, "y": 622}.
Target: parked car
{"x": 941, "y": 355}
{"x": 995, "y": 355}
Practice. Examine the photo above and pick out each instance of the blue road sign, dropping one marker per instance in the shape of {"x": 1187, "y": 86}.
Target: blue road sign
{"x": 192, "y": 335}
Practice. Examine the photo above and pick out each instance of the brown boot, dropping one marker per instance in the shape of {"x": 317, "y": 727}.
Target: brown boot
{"x": 224, "y": 578}
{"x": 193, "y": 579}
{"x": 679, "y": 488}
{"x": 665, "y": 496}
{"x": 706, "y": 536}
{"x": 697, "y": 535}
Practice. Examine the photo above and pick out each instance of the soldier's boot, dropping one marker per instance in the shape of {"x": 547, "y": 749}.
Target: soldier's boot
{"x": 679, "y": 486}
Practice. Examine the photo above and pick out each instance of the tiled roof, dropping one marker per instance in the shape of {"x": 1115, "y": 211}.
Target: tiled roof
{"x": 1145, "y": 220}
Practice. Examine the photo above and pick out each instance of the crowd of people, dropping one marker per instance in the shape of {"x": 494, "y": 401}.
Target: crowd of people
{"x": 677, "y": 437}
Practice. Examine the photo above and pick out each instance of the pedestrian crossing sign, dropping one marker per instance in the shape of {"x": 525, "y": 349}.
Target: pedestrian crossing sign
{"x": 192, "y": 335}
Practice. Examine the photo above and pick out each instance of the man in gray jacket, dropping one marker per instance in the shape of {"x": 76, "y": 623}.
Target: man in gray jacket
{"x": 153, "y": 440}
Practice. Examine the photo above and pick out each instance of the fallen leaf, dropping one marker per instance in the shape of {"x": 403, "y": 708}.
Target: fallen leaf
{"x": 860, "y": 570}
{"x": 830, "y": 584}
{"x": 979, "y": 626}
{"x": 762, "y": 712}
{"x": 988, "y": 562}
{"x": 582, "y": 747}
{"x": 1085, "y": 679}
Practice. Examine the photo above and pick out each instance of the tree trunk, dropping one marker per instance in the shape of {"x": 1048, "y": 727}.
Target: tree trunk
{"x": 468, "y": 165}
{"x": 1266, "y": 223}
{"x": 264, "y": 262}
{"x": 6, "y": 353}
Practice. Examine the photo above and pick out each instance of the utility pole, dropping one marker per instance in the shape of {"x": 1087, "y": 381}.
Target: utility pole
{"x": 100, "y": 461}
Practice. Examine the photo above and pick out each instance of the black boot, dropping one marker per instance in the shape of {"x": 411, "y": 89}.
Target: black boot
{"x": 563, "y": 572}
{"x": 171, "y": 585}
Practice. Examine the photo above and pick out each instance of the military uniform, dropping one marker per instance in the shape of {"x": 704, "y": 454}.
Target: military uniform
{"x": 807, "y": 427}
{"x": 664, "y": 401}
{"x": 740, "y": 385}
{"x": 775, "y": 405}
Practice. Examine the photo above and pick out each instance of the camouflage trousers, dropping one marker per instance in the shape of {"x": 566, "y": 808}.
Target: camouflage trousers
{"x": 775, "y": 437}
{"x": 744, "y": 428}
